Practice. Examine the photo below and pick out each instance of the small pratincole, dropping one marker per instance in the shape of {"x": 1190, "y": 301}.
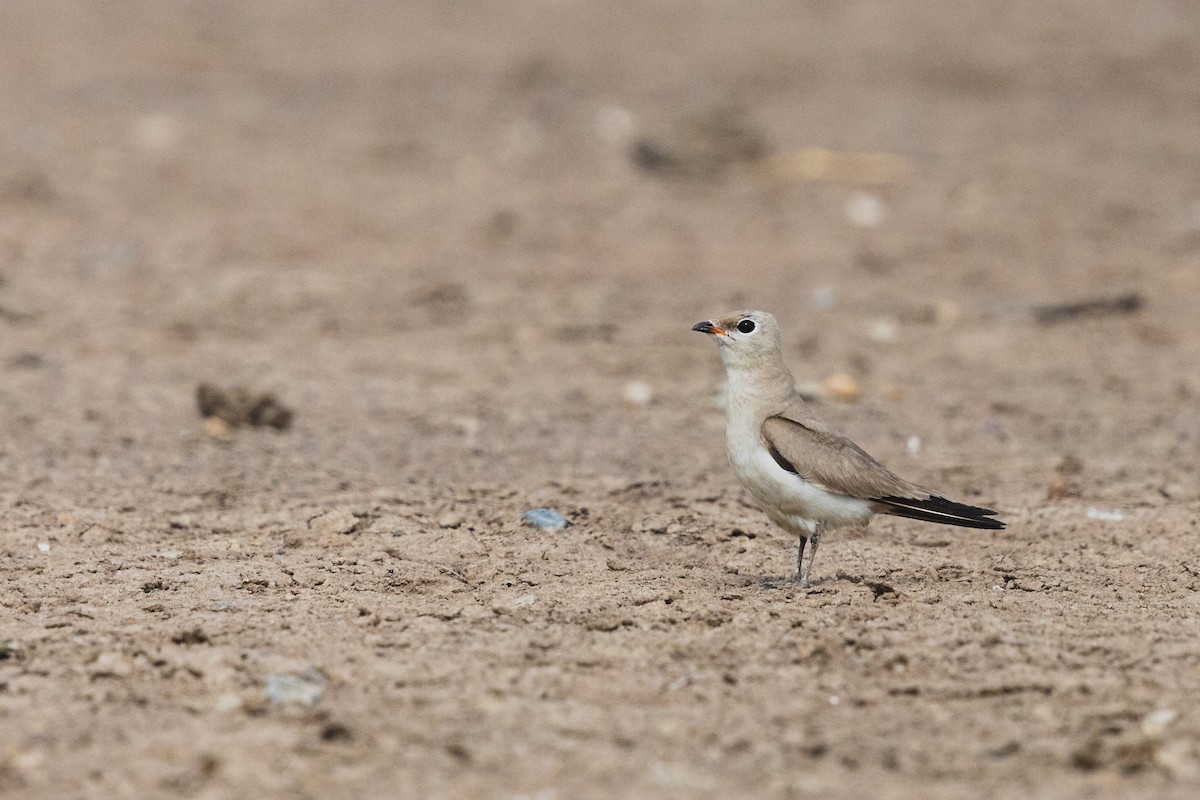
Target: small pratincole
{"x": 806, "y": 476}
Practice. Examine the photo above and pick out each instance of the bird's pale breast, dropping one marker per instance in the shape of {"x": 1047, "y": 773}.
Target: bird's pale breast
{"x": 788, "y": 499}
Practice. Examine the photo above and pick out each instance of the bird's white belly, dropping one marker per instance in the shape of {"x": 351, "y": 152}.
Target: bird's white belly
{"x": 790, "y": 501}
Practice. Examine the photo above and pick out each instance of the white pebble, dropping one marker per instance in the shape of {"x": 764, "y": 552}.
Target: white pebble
{"x": 304, "y": 689}
{"x": 524, "y": 600}
{"x": 638, "y": 394}
{"x": 44, "y": 547}
{"x": 1155, "y": 724}
{"x": 883, "y": 331}
{"x": 914, "y": 445}
{"x": 834, "y": 700}
{"x": 1106, "y": 516}
{"x": 865, "y": 210}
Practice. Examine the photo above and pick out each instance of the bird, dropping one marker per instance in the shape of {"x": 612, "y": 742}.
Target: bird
{"x": 808, "y": 478}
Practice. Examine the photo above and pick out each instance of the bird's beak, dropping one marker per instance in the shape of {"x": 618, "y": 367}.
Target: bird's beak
{"x": 708, "y": 327}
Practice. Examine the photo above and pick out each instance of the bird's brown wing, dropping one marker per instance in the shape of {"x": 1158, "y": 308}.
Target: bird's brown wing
{"x": 816, "y": 452}
{"x": 803, "y": 444}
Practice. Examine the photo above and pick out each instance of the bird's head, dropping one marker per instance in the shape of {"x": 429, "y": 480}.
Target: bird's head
{"x": 745, "y": 338}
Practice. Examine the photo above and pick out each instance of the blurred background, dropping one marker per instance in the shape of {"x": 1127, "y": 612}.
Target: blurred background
{"x": 386, "y": 206}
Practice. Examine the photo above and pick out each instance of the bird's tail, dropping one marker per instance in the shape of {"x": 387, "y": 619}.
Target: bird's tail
{"x": 941, "y": 510}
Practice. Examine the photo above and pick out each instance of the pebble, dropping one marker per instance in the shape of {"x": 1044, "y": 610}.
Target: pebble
{"x": 883, "y": 331}
{"x": 337, "y": 521}
{"x": 638, "y": 394}
{"x": 544, "y": 518}
{"x": 450, "y": 519}
{"x": 43, "y": 547}
{"x": 865, "y": 210}
{"x": 1106, "y": 516}
{"x": 842, "y": 386}
{"x": 914, "y": 445}
{"x": 305, "y": 689}
{"x": 217, "y": 428}
{"x": 1155, "y": 724}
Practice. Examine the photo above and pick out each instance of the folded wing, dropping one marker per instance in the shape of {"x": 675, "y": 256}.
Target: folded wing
{"x": 807, "y": 446}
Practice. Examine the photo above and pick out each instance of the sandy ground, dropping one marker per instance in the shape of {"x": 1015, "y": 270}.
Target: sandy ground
{"x": 449, "y": 236}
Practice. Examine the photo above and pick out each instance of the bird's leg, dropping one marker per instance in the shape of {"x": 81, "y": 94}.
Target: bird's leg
{"x": 805, "y": 574}
{"x": 800, "y": 560}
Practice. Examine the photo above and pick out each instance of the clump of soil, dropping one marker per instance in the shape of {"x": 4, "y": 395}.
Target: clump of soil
{"x": 238, "y": 406}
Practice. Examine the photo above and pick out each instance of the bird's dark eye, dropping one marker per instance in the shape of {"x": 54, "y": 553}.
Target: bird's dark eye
{"x": 746, "y": 326}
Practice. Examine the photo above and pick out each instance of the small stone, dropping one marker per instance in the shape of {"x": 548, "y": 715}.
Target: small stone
{"x": 450, "y": 519}
{"x": 11, "y": 650}
{"x": 883, "y": 331}
{"x": 217, "y": 428}
{"x": 337, "y": 521}
{"x": 336, "y": 732}
{"x": 865, "y": 210}
{"x": 913, "y": 445}
{"x": 544, "y": 518}
{"x": 1155, "y": 724}
{"x": 1062, "y": 487}
{"x": 305, "y": 689}
{"x": 1105, "y": 516}
{"x": 842, "y": 386}
{"x": 653, "y": 524}
{"x": 238, "y": 406}
{"x": 638, "y": 394}
{"x": 524, "y": 600}
{"x": 43, "y": 547}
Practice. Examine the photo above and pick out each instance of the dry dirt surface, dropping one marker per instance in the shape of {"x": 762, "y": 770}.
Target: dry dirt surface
{"x": 463, "y": 243}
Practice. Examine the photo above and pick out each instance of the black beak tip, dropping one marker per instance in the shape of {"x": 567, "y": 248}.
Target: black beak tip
{"x": 704, "y": 327}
